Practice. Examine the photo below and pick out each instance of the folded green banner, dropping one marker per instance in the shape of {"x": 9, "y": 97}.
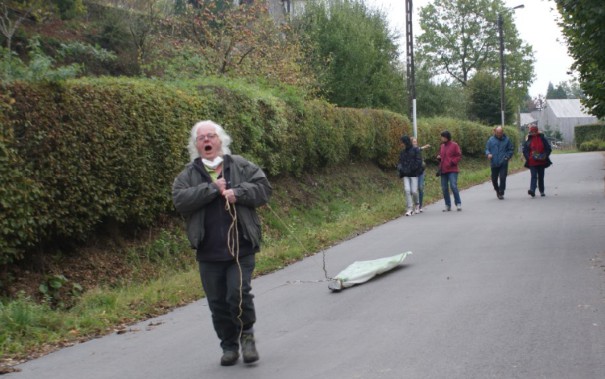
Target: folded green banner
{"x": 362, "y": 271}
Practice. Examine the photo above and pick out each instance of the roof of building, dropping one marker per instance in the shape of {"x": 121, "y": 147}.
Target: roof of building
{"x": 567, "y": 108}
{"x": 526, "y": 119}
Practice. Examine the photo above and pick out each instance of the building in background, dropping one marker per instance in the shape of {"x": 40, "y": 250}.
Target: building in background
{"x": 563, "y": 116}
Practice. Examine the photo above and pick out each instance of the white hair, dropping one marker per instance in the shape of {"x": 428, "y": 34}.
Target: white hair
{"x": 220, "y": 132}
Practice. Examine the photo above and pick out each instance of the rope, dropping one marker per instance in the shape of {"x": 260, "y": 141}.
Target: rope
{"x": 233, "y": 247}
{"x": 323, "y": 252}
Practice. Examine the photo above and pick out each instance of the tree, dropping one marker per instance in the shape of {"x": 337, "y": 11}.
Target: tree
{"x": 353, "y": 54}
{"x": 11, "y": 18}
{"x": 582, "y": 23}
{"x": 438, "y": 98}
{"x": 556, "y": 93}
{"x": 460, "y": 37}
{"x": 484, "y": 99}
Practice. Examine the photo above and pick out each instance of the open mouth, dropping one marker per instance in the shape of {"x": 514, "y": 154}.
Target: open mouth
{"x": 207, "y": 148}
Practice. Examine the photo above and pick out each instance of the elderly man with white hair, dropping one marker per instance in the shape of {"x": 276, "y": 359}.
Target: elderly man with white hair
{"x": 218, "y": 193}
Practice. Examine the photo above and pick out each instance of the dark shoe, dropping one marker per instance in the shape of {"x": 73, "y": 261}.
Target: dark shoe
{"x": 542, "y": 194}
{"x": 249, "y": 348}
{"x": 501, "y": 195}
{"x": 531, "y": 193}
{"x": 229, "y": 358}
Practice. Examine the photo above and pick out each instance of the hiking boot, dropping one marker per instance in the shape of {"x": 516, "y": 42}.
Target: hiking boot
{"x": 249, "y": 348}
{"x": 229, "y": 357}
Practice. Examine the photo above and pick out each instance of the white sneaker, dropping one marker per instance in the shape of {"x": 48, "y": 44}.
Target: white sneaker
{"x": 409, "y": 213}
{"x": 416, "y": 210}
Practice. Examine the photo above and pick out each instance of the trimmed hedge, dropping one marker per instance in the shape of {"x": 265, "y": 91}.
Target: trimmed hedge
{"x": 593, "y": 145}
{"x": 585, "y": 133}
{"x": 83, "y": 155}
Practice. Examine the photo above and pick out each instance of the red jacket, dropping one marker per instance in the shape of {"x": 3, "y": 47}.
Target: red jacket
{"x": 450, "y": 156}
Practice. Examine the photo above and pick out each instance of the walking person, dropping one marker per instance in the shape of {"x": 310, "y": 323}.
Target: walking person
{"x": 536, "y": 151}
{"x": 499, "y": 150}
{"x": 217, "y": 194}
{"x": 409, "y": 167}
{"x": 421, "y": 176}
{"x": 449, "y": 157}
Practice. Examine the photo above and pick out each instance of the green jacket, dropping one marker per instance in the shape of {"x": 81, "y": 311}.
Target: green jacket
{"x": 190, "y": 194}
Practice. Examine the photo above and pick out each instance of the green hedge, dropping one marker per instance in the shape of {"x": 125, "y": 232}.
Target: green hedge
{"x": 593, "y": 145}
{"x": 585, "y": 133}
{"x": 83, "y": 155}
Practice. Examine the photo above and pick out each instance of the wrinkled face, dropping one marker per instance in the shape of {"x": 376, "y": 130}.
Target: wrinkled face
{"x": 207, "y": 142}
{"x": 499, "y": 132}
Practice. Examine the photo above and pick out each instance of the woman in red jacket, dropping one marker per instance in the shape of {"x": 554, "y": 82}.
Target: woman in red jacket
{"x": 536, "y": 151}
{"x": 449, "y": 156}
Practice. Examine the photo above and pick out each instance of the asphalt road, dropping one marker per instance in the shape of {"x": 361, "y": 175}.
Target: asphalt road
{"x": 510, "y": 288}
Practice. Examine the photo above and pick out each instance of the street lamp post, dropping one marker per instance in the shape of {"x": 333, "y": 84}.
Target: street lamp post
{"x": 501, "y": 36}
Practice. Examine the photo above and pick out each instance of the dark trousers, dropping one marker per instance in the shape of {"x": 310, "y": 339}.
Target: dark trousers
{"x": 222, "y": 285}
{"x": 500, "y": 173}
{"x": 537, "y": 175}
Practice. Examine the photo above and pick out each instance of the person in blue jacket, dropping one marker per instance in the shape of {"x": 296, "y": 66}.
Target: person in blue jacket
{"x": 499, "y": 150}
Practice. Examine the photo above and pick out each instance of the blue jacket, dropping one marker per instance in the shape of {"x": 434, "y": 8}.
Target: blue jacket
{"x": 501, "y": 150}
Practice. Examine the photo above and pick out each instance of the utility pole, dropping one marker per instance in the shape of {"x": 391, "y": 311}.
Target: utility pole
{"x": 411, "y": 82}
{"x": 502, "y": 100}
{"x": 501, "y": 37}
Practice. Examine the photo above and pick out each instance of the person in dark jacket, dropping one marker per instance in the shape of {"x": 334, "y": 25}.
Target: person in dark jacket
{"x": 217, "y": 194}
{"x": 499, "y": 150}
{"x": 421, "y": 176}
{"x": 410, "y": 167}
{"x": 449, "y": 157}
{"x": 536, "y": 151}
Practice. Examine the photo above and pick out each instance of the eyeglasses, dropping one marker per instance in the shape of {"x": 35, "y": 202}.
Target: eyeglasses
{"x": 210, "y": 136}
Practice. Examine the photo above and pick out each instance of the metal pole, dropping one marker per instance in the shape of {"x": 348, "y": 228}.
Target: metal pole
{"x": 410, "y": 63}
{"x": 502, "y": 100}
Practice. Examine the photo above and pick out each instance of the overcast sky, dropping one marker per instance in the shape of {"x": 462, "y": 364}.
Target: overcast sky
{"x": 537, "y": 26}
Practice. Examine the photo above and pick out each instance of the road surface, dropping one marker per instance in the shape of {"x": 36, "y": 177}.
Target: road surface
{"x": 510, "y": 288}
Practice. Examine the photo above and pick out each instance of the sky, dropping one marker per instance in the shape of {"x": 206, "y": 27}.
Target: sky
{"x": 536, "y": 24}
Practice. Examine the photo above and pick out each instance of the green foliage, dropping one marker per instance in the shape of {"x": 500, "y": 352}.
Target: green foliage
{"x": 461, "y": 38}
{"x": 582, "y": 25}
{"x": 585, "y": 133}
{"x": 84, "y": 154}
{"x": 593, "y": 145}
{"x": 484, "y": 100}
{"x": 70, "y": 8}
{"x": 39, "y": 68}
{"x": 353, "y": 55}
{"x": 469, "y": 135}
{"x": 556, "y": 93}
{"x": 438, "y": 99}
{"x": 236, "y": 41}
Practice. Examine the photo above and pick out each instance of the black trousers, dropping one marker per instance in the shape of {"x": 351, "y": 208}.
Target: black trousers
{"x": 221, "y": 282}
{"x": 500, "y": 173}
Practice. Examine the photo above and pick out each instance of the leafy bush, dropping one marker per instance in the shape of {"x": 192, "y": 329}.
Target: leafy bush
{"x": 584, "y": 133}
{"x": 80, "y": 156}
{"x": 39, "y": 68}
{"x": 593, "y": 145}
